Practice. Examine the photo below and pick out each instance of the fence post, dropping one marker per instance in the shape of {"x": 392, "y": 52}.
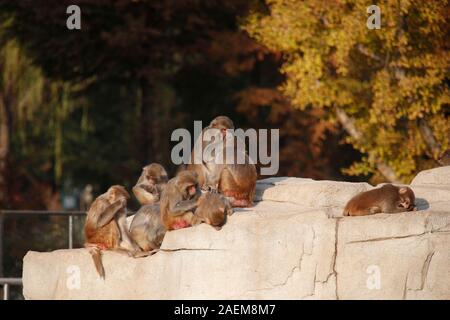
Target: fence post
{"x": 71, "y": 232}
{"x": 1, "y": 244}
{"x": 6, "y": 291}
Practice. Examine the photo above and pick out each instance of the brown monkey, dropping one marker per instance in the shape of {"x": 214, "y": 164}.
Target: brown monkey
{"x": 213, "y": 209}
{"x": 147, "y": 229}
{"x": 203, "y": 169}
{"x": 150, "y": 184}
{"x": 106, "y": 226}
{"x": 444, "y": 159}
{"x": 236, "y": 181}
{"x": 179, "y": 200}
{"x": 387, "y": 199}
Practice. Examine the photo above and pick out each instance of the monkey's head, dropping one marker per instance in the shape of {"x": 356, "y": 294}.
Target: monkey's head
{"x": 213, "y": 209}
{"x": 222, "y": 123}
{"x": 187, "y": 184}
{"x": 444, "y": 159}
{"x": 407, "y": 198}
{"x": 155, "y": 173}
{"x": 117, "y": 192}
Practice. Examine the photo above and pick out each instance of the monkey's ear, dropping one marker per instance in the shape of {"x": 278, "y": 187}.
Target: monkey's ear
{"x": 222, "y": 209}
{"x": 403, "y": 190}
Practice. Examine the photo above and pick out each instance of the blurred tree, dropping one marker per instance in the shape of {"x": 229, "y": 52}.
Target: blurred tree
{"x": 388, "y": 88}
{"x": 114, "y": 91}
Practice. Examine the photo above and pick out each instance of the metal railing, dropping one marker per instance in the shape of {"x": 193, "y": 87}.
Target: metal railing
{"x": 7, "y": 282}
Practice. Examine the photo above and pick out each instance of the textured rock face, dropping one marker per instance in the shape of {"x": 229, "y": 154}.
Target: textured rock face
{"x": 294, "y": 244}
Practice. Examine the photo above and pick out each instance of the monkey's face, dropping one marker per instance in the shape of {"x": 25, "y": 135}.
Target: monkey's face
{"x": 187, "y": 183}
{"x": 222, "y": 123}
{"x": 150, "y": 179}
{"x": 407, "y": 199}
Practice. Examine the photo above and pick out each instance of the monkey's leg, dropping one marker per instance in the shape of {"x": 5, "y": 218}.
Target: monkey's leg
{"x": 126, "y": 242}
{"x": 374, "y": 210}
{"x": 142, "y": 254}
{"x": 183, "y": 206}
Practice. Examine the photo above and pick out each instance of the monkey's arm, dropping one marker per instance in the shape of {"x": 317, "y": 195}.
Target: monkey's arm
{"x": 146, "y": 187}
{"x": 181, "y": 207}
{"x": 213, "y": 176}
{"x": 108, "y": 214}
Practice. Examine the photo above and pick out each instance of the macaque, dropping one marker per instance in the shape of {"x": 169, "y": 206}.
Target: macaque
{"x": 213, "y": 209}
{"x": 179, "y": 201}
{"x": 106, "y": 226}
{"x": 151, "y": 183}
{"x": 147, "y": 229}
{"x": 387, "y": 199}
{"x": 235, "y": 181}
{"x": 444, "y": 159}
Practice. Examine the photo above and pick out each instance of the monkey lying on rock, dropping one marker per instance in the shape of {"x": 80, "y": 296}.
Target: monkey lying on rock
{"x": 387, "y": 199}
{"x": 147, "y": 228}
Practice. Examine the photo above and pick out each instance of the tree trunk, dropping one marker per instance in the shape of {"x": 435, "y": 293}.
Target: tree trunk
{"x": 349, "y": 126}
{"x": 5, "y": 138}
{"x": 427, "y": 134}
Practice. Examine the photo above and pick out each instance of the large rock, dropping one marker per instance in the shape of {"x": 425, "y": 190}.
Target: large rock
{"x": 293, "y": 244}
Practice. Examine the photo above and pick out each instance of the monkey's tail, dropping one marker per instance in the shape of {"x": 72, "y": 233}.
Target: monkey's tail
{"x": 96, "y": 254}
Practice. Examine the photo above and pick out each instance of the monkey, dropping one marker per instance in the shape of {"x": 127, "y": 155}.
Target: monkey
{"x": 147, "y": 229}
{"x": 213, "y": 209}
{"x": 235, "y": 181}
{"x": 444, "y": 159}
{"x": 221, "y": 123}
{"x": 387, "y": 199}
{"x": 150, "y": 184}
{"x": 179, "y": 200}
{"x": 106, "y": 226}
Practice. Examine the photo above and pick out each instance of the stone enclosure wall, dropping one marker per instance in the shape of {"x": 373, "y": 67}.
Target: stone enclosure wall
{"x": 293, "y": 244}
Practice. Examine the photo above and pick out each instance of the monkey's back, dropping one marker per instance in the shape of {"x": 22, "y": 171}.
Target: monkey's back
{"x": 147, "y": 229}
{"x": 364, "y": 201}
{"x": 108, "y": 235}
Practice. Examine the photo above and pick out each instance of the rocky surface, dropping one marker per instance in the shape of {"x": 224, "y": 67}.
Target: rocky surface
{"x": 293, "y": 244}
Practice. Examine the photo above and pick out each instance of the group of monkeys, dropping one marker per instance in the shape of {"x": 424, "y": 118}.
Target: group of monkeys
{"x": 204, "y": 192}
{"x": 201, "y": 192}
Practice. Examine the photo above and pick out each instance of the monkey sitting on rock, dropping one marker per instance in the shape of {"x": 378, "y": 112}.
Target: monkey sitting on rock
{"x": 387, "y": 199}
{"x": 151, "y": 183}
{"x": 106, "y": 226}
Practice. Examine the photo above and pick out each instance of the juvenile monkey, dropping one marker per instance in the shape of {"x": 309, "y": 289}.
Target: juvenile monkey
{"x": 387, "y": 199}
{"x": 213, "y": 209}
{"x": 236, "y": 181}
{"x": 444, "y": 159}
{"x": 106, "y": 226}
{"x": 150, "y": 184}
{"x": 179, "y": 200}
{"x": 147, "y": 229}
